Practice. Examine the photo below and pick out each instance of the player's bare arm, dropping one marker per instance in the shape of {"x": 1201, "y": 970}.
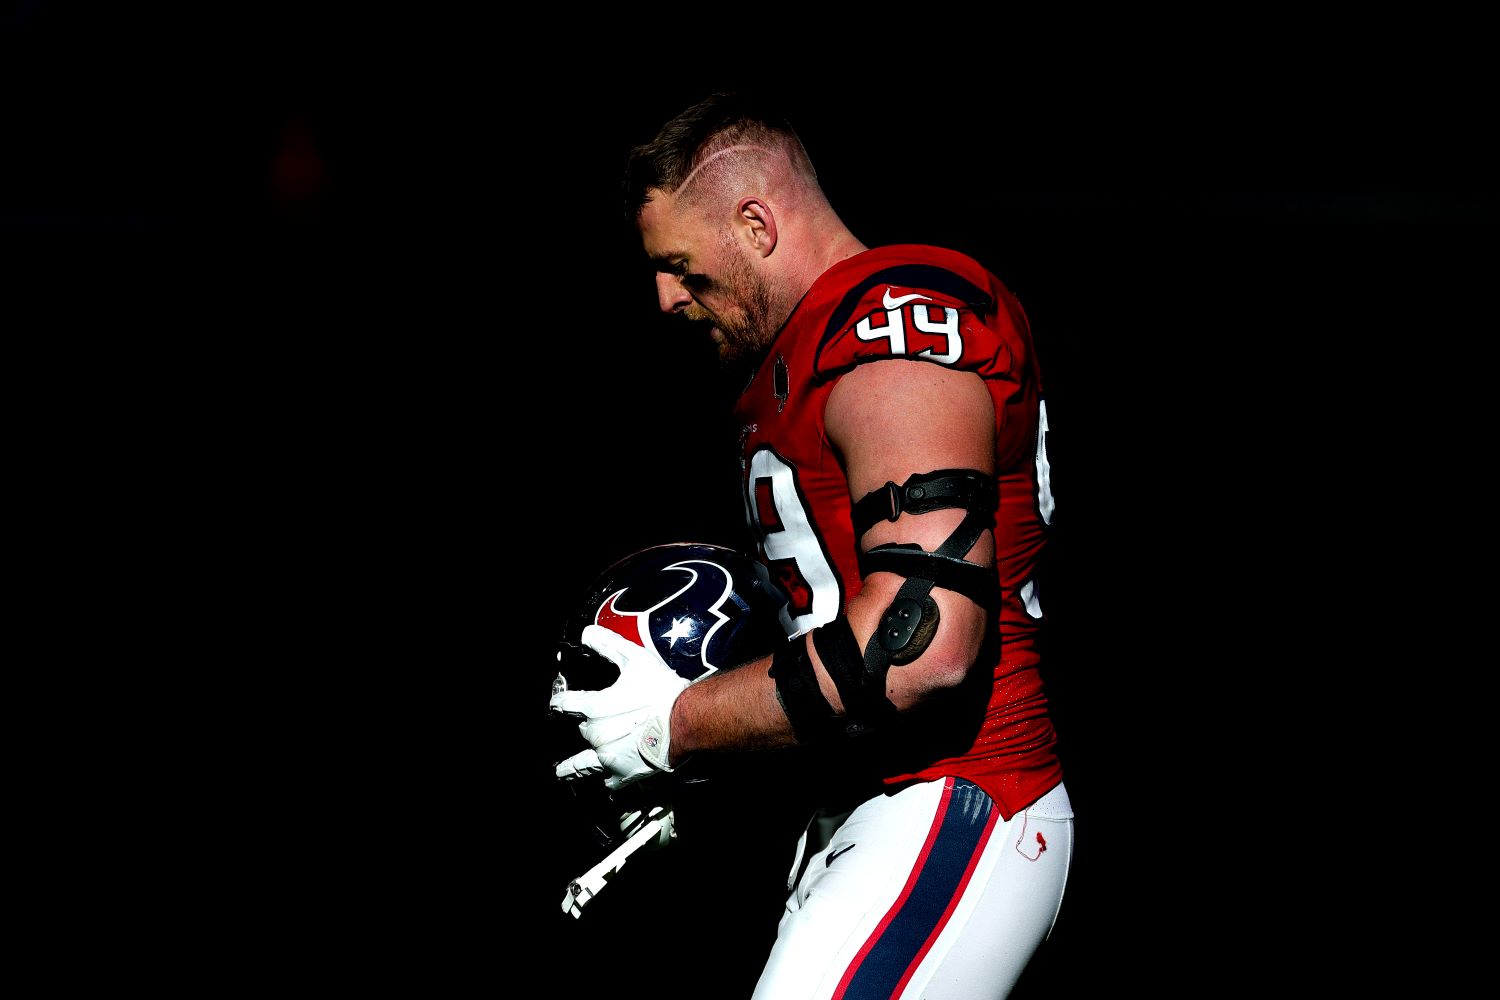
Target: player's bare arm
{"x": 889, "y": 420}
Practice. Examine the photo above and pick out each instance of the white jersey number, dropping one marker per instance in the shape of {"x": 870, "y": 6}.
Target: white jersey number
{"x": 894, "y": 331}
{"x": 792, "y": 548}
{"x": 796, "y": 556}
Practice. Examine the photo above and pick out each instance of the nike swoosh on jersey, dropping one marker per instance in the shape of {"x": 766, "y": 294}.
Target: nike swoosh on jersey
{"x": 828, "y": 861}
{"x": 900, "y": 300}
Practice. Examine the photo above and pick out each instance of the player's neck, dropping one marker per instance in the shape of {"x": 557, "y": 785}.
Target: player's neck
{"x": 829, "y": 245}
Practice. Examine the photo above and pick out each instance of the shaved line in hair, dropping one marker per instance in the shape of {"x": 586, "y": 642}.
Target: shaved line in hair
{"x": 688, "y": 180}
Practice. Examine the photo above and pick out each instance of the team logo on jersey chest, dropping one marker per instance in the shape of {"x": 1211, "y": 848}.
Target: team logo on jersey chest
{"x": 780, "y": 382}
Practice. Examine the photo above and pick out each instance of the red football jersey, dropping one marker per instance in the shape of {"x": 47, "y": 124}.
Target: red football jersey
{"x": 927, "y": 303}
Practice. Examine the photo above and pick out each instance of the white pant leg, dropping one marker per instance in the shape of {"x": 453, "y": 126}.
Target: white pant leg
{"x": 924, "y": 893}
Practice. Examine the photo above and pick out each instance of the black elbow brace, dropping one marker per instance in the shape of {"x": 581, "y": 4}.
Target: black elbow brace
{"x": 866, "y": 708}
{"x": 976, "y": 492}
{"x": 910, "y": 621}
{"x": 812, "y": 718}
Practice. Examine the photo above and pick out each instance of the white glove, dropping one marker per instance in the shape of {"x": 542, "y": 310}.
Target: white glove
{"x": 628, "y": 724}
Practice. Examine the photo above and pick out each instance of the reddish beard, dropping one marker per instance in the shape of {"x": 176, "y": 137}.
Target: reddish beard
{"x": 745, "y": 327}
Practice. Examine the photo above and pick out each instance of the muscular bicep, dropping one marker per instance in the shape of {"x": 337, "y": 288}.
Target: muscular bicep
{"x": 891, "y": 420}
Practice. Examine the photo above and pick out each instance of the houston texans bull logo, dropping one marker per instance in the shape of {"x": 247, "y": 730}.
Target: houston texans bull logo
{"x": 668, "y": 612}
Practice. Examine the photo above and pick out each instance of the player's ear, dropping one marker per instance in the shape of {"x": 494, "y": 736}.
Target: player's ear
{"x": 758, "y": 225}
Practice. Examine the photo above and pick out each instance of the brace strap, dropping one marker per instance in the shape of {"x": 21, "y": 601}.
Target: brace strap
{"x": 978, "y": 583}
{"x": 979, "y": 495}
{"x": 860, "y": 689}
{"x": 812, "y": 718}
{"x": 926, "y": 491}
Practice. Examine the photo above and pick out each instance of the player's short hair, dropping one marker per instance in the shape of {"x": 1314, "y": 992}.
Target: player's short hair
{"x": 721, "y": 120}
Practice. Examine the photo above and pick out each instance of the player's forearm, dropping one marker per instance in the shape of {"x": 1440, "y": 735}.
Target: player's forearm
{"x": 733, "y": 710}
{"x": 739, "y": 709}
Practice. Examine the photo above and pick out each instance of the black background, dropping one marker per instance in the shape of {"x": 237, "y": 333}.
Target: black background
{"x": 341, "y": 377}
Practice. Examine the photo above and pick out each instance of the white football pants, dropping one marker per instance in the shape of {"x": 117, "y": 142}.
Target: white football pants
{"x": 924, "y": 894}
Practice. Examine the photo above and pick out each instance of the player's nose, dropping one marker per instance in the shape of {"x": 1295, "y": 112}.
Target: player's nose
{"x": 670, "y": 295}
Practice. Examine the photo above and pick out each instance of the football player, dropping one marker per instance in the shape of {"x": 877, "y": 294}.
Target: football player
{"x": 893, "y": 442}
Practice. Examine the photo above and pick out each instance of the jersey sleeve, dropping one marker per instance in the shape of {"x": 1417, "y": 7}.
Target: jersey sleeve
{"x": 919, "y": 323}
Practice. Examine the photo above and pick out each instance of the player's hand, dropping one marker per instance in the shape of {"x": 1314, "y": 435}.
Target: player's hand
{"x": 628, "y": 724}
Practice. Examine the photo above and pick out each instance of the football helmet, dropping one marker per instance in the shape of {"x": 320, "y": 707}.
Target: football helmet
{"x": 704, "y": 608}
